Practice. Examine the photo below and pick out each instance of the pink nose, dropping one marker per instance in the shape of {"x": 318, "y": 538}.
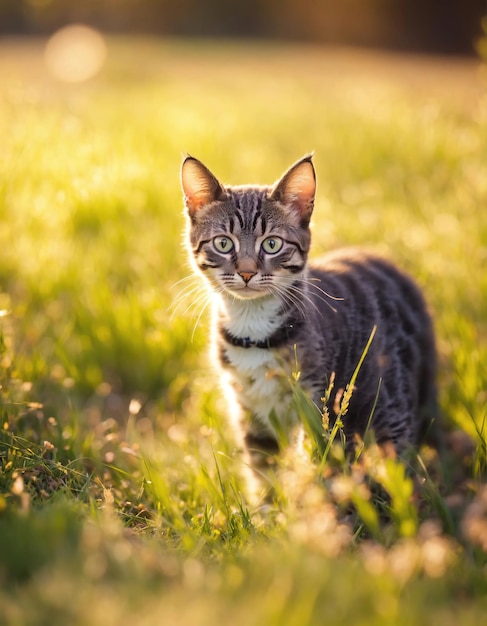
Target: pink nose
{"x": 246, "y": 275}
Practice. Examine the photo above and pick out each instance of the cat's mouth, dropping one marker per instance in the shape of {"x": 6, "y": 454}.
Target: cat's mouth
{"x": 247, "y": 292}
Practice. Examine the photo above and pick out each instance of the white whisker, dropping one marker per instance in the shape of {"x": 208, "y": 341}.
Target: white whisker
{"x": 310, "y": 281}
{"x": 307, "y": 296}
{"x": 188, "y": 291}
{"x": 203, "y": 309}
{"x": 287, "y": 298}
{"x": 184, "y": 279}
{"x": 325, "y": 293}
{"x": 202, "y": 297}
{"x": 307, "y": 299}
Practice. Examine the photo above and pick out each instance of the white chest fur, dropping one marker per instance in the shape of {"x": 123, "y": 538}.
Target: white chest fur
{"x": 256, "y": 379}
{"x": 256, "y": 319}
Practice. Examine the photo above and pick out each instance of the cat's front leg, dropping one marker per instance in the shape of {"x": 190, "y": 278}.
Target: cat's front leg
{"x": 260, "y": 449}
{"x": 264, "y": 458}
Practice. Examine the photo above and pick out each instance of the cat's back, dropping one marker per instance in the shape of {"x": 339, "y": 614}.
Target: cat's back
{"x": 359, "y": 277}
{"x": 356, "y": 291}
{"x": 360, "y": 289}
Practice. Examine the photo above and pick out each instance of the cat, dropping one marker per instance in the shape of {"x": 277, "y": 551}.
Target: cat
{"x": 273, "y": 309}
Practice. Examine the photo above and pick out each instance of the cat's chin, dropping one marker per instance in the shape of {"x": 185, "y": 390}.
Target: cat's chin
{"x": 247, "y": 293}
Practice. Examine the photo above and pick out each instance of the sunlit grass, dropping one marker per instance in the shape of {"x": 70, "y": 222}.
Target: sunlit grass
{"x": 120, "y": 488}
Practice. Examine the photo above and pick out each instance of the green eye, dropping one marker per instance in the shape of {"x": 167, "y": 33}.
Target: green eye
{"x": 223, "y": 244}
{"x": 271, "y": 245}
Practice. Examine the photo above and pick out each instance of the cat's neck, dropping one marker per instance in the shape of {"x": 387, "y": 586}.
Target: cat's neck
{"x": 254, "y": 318}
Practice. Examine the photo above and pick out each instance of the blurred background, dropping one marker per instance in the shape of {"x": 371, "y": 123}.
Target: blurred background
{"x": 100, "y": 98}
{"x": 439, "y": 26}
{"x": 108, "y": 402}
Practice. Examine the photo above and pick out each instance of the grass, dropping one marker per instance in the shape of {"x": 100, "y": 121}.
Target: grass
{"x": 120, "y": 492}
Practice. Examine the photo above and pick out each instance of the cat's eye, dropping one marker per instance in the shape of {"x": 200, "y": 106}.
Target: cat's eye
{"x": 223, "y": 244}
{"x": 271, "y": 245}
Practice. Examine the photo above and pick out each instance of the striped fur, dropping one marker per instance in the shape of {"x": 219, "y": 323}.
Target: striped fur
{"x": 271, "y": 306}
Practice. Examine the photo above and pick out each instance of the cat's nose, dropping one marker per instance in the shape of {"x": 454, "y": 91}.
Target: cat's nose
{"x": 247, "y": 275}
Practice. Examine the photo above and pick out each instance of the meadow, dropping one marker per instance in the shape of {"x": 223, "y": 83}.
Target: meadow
{"x": 120, "y": 493}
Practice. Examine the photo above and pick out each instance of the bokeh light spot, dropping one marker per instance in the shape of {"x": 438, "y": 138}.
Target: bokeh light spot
{"x": 75, "y": 53}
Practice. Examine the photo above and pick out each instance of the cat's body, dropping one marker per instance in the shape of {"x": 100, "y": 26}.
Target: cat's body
{"x": 274, "y": 313}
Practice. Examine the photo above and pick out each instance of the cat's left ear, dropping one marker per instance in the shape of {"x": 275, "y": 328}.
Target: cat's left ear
{"x": 297, "y": 188}
{"x": 199, "y": 185}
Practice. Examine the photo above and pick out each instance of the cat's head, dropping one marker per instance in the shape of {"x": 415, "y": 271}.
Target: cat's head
{"x": 249, "y": 241}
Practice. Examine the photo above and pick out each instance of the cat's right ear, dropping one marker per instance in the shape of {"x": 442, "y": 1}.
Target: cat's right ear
{"x": 199, "y": 185}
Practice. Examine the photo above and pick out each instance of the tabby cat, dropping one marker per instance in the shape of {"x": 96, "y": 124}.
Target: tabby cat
{"x": 272, "y": 309}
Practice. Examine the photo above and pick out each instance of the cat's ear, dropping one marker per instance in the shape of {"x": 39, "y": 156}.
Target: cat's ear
{"x": 297, "y": 188}
{"x": 199, "y": 185}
